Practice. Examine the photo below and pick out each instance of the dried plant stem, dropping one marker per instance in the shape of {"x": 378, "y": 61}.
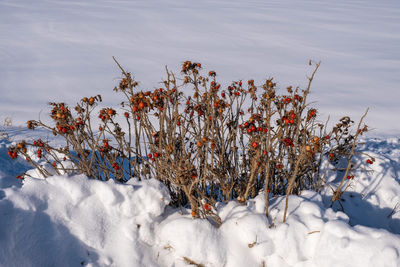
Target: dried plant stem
{"x": 338, "y": 192}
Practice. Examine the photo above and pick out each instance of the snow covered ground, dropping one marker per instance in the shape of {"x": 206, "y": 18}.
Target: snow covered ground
{"x": 58, "y": 50}
{"x": 73, "y": 221}
{"x": 53, "y": 50}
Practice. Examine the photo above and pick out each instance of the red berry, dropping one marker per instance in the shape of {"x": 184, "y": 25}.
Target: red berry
{"x": 255, "y": 144}
{"x": 207, "y": 207}
{"x": 126, "y": 114}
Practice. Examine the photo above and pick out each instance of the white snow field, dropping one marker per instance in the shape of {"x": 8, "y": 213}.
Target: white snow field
{"x": 61, "y": 50}
{"x": 74, "y": 221}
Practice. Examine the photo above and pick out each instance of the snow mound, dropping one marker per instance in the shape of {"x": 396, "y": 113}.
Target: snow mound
{"x": 71, "y": 221}
{"x": 312, "y": 236}
{"x": 74, "y": 221}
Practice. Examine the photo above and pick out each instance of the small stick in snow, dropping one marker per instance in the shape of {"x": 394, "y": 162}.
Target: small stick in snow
{"x": 394, "y": 210}
{"x": 189, "y": 261}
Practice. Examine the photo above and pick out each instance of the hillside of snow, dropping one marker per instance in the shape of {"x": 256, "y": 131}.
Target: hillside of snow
{"x": 73, "y": 221}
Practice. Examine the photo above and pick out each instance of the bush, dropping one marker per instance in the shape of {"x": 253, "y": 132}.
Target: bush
{"x": 206, "y": 143}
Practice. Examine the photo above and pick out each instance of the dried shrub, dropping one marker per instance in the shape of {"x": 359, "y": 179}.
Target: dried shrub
{"x": 206, "y": 143}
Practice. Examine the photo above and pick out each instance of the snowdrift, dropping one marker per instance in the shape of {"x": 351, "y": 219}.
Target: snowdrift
{"x": 74, "y": 221}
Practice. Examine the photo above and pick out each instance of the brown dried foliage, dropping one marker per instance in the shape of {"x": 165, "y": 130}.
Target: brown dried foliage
{"x": 206, "y": 143}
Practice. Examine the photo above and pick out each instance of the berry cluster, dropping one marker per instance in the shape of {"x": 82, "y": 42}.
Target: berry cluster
{"x": 12, "y": 154}
{"x": 106, "y": 148}
{"x": 189, "y": 66}
{"x": 115, "y": 166}
{"x": 311, "y": 114}
{"x": 289, "y": 118}
{"x": 106, "y": 114}
{"x": 370, "y": 161}
{"x": 288, "y": 141}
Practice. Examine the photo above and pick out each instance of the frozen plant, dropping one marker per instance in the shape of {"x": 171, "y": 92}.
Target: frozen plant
{"x": 205, "y": 142}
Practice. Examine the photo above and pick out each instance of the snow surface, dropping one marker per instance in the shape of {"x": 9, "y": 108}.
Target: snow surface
{"x": 73, "y": 221}
{"x": 58, "y": 50}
